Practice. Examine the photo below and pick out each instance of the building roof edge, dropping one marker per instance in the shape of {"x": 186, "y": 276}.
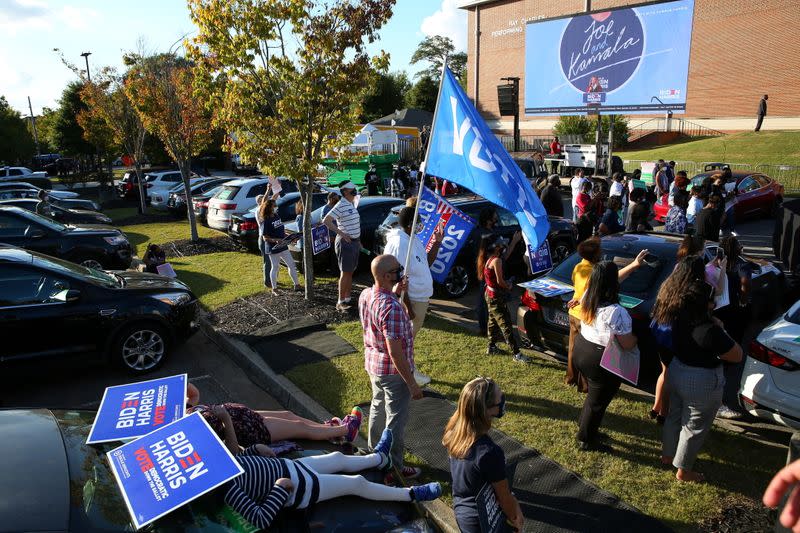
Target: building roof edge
{"x": 466, "y": 4}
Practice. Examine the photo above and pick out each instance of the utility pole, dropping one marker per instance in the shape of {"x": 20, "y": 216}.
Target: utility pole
{"x": 33, "y": 124}
{"x": 85, "y": 56}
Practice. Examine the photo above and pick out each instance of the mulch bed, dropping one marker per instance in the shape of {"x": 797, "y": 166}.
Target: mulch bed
{"x": 187, "y": 247}
{"x": 738, "y": 514}
{"x": 248, "y": 314}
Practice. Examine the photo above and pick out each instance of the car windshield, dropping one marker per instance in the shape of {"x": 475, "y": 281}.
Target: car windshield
{"x": 794, "y": 317}
{"x": 227, "y": 192}
{"x": 639, "y": 282}
{"x": 151, "y": 177}
{"x": 48, "y": 223}
{"x": 99, "y": 277}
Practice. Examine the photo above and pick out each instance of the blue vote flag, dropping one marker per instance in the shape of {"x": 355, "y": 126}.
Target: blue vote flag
{"x": 170, "y": 467}
{"x": 434, "y": 211}
{"x": 135, "y": 409}
{"x": 463, "y": 149}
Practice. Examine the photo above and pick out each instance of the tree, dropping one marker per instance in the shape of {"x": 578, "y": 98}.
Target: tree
{"x": 44, "y": 130}
{"x": 161, "y": 89}
{"x": 16, "y": 142}
{"x": 385, "y": 96}
{"x": 586, "y": 127}
{"x": 433, "y": 51}
{"x": 423, "y": 94}
{"x": 286, "y": 110}
{"x": 67, "y": 134}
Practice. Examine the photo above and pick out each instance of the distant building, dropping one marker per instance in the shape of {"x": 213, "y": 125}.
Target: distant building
{"x": 407, "y": 118}
{"x": 741, "y": 50}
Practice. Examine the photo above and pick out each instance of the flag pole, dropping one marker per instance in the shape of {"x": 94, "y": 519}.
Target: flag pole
{"x": 423, "y": 173}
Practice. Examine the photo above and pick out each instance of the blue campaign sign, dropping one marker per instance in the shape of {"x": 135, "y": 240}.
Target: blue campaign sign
{"x": 540, "y": 258}
{"x": 433, "y": 211}
{"x": 629, "y": 59}
{"x": 170, "y": 467}
{"x": 320, "y": 238}
{"x": 135, "y": 409}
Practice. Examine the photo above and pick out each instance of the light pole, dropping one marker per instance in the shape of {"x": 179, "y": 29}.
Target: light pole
{"x": 85, "y": 56}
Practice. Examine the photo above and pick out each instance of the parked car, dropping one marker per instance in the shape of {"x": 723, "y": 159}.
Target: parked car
{"x": 244, "y": 229}
{"x": 562, "y": 240}
{"x": 770, "y": 385}
{"x": 25, "y": 175}
{"x": 545, "y": 322}
{"x": 128, "y": 186}
{"x": 235, "y": 197}
{"x": 200, "y": 203}
{"x": 18, "y": 185}
{"x": 372, "y": 209}
{"x": 129, "y": 318}
{"x": 65, "y": 216}
{"x": 176, "y": 202}
{"x": 756, "y": 195}
{"x": 99, "y": 247}
{"x": 69, "y": 203}
{"x": 159, "y": 185}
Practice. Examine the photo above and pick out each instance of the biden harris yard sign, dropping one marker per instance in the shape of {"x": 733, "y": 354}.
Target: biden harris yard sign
{"x": 465, "y": 151}
{"x": 434, "y": 211}
{"x": 136, "y": 409}
{"x": 170, "y": 467}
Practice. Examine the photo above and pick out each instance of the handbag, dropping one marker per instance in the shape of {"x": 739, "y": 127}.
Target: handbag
{"x": 622, "y": 363}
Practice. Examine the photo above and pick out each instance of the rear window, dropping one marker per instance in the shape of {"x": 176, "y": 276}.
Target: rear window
{"x": 794, "y": 317}
{"x": 255, "y": 190}
{"x": 228, "y": 192}
{"x": 641, "y": 281}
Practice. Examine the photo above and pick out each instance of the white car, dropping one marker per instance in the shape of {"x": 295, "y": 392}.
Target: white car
{"x": 770, "y": 386}
{"x": 159, "y": 184}
{"x": 17, "y": 185}
{"x": 19, "y": 172}
{"x": 235, "y": 197}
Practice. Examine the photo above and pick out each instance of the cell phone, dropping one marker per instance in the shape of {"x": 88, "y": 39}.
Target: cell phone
{"x": 720, "y": 253}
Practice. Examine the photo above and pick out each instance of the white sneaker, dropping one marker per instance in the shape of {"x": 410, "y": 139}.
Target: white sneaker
{"x": 727, "y": 413}
{"x": 421, "y": 378}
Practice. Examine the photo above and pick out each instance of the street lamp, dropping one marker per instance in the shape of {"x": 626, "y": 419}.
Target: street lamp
{"x": 85, "y": 56}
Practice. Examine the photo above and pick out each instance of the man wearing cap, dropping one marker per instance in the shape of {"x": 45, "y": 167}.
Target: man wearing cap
{"x": 420, "y": 281}
{"x": 345, "y": 222}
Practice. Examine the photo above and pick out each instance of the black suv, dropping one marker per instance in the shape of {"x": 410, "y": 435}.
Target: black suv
{"x": 100, "y": 247}
{"x": 65, "y": 216}
{"x": 562, "y": 239}
{"x": 51, "y": 307}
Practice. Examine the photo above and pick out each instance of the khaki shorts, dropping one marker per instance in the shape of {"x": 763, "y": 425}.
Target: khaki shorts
{"x": 347, "y": 254}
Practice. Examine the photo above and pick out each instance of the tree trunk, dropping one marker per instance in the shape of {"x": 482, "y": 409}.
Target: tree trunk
{"x": 142, "y": 198}
{"x": 185, "y": 168}
{"x": 306, "y": 189}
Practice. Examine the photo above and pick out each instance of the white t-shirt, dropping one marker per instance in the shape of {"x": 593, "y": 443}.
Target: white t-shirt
{"x": 616, "y": 189}
{"x": 695, "y": 205}
{"x": 609, "y": 319}
{"x": 347, "y": 219}
{"x": 420, "y": 282}
{"x": 576, "y": 183}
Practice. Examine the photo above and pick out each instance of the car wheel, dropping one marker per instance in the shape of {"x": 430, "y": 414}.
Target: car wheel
{"x": 456, "y": 283}
{"x": 91, "y": 262}
{"x": 140, "y": 348}
{"x": 560, "y": 251}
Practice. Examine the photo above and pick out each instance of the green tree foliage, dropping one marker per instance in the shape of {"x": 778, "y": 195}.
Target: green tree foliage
{"x": 286, "y": 110}
{"x": 67, "y": 134}
{"x": 423, "y": 94}
{"x": 16, "y": 142}
{"x": 44, "y": 130}
{"x": 433, "y": 50}
{"x": 586, "y": 127}
{"x": 385, "y": 96}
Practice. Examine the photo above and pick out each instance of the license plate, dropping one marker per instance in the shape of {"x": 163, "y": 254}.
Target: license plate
{"x": 557, "y": 317}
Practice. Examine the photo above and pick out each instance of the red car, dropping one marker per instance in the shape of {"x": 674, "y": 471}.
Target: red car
{"x": 756, "y": 194}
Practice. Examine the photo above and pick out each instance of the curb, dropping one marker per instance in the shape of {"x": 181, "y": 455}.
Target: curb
{"x": 295, "y": 400}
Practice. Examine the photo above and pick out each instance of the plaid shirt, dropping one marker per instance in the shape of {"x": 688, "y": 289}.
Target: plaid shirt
{"x": 384, "y": 318}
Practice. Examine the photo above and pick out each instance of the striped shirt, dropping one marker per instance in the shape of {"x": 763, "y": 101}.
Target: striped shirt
{"x": 256, "y": 497}
{"x": 347, "y": 218}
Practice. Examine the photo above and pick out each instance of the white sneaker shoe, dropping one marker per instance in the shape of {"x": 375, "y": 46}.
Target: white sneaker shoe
{"x": 727, "y": 413}
{"x": 421, "y": 378}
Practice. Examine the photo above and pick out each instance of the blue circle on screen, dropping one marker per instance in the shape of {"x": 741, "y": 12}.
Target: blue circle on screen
{"x": 601, "y": 52}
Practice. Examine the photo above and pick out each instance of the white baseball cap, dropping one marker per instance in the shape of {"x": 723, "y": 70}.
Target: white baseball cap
{"x": 348, "y": 185}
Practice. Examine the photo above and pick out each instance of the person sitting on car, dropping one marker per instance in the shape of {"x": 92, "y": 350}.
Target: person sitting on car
{"x": 153, "y": 258}
{"x": 269, "y": 484}
{"x": 43, "y": 206}
{"x": 551, "y": 197}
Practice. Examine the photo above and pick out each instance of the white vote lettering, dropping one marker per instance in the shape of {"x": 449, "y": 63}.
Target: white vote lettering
{"x": 458, "y": 133}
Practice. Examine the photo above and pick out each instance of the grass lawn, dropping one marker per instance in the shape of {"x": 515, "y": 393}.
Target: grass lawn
{"x": 121, "y": 213}
{"x": 770, "y": 147}
{"x": 140, "y": 235}
{"x": 543, "y": 412}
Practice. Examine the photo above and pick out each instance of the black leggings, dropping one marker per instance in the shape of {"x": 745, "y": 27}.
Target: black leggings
{"x": 603, "y": 386}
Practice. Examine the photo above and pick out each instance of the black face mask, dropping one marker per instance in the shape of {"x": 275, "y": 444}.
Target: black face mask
{"x": 501, "y": 407}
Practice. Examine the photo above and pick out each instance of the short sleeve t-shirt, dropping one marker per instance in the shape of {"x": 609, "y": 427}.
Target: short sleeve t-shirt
{"x": 609, "y": 320}
{"x": 700, "y": 345}
{"x": 484, "y": 463}
{"x": 706, "y": 225}
{"x": 611, "y": 221}
{"x": 347, "y": 219}
{"x": 580, "y": 278}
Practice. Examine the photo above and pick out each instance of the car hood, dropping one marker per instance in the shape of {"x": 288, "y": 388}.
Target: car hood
{"x": 93, "y": 229}
{"x": 146, "y": 280}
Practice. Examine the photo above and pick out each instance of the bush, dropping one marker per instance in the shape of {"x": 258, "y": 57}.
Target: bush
{"x": 585, "y": 127}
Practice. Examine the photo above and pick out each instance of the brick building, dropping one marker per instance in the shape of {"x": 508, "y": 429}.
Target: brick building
{"x": 741, "y": 49}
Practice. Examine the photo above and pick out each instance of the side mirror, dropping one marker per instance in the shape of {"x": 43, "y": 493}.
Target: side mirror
{"x": 73, "y": 295}
{"x": 34, "y": 233}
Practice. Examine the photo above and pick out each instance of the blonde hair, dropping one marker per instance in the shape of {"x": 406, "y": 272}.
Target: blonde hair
{"x": 470, "y": 421}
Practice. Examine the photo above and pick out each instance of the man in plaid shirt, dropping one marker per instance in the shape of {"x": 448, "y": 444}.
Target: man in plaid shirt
{"x": 389, "y": 356}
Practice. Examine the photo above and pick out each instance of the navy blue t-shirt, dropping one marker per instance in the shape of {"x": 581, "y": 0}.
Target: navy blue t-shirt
{"x": 611, "y": 220}
{"x": 484, "y": 463}
{"x": 271, "y": 227}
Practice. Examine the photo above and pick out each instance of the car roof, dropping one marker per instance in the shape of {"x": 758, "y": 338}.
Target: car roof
{"x": 241, "y": 182}
{"x": 18, "y": 200}
{"x": 737, "y": 174}
{"x": 21, "y": 184}
{"x": 12, "y": 254}
{"x": 34, "y": 472}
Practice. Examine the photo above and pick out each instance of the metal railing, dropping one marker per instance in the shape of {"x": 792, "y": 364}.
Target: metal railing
{"x": 536, "y": 143}
{"x": 663, "y": 124}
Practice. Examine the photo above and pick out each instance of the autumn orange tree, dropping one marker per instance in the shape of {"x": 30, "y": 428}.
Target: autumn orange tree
{"x": 161, "y": 89}
{"x": 285, "y": 79}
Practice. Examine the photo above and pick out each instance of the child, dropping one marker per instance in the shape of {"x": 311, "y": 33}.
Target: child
{"x": 695, "y": 204}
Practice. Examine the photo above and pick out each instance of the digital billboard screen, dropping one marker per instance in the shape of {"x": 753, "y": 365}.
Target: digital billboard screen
{"x": 627, "y": 60}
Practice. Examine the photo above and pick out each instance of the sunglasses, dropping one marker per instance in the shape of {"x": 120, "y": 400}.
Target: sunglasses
{"x": 396, "y": 270}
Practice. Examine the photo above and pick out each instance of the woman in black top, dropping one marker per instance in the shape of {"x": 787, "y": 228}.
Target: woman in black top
{"x": 477, "y": 464}
{"x": 696, "y": 378}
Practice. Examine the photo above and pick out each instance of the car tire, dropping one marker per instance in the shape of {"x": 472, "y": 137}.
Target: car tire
{"x": 91, "y": 262}
{"x": 560, "y": 250}
{"x": 457, "y": 282}
{"x": 140, "y": 348}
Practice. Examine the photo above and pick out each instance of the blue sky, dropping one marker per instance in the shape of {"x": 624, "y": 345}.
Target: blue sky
{"x": 107, "y": 28}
